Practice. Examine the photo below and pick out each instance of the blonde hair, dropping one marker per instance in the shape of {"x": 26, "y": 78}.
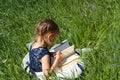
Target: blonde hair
{"x": 44, "y": 26}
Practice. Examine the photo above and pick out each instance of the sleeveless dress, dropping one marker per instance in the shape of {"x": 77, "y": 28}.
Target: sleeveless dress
{"x": 36, "y": 54}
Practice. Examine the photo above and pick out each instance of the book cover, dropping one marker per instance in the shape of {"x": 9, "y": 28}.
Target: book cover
{"x": 61, "y": 46}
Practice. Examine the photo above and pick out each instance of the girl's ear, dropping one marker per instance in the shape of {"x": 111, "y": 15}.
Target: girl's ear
{"x": 49, "y": 36}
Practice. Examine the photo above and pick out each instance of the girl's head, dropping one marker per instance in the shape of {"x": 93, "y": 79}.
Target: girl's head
{"x": 46, "y": 32}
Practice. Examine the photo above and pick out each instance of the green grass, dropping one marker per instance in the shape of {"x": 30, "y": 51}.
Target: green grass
{"x": 85, "y": 23}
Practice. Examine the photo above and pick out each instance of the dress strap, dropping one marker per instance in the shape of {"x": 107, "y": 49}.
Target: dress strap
{"x": 31, "y": 45}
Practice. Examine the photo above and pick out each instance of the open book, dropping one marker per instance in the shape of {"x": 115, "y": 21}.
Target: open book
{"x": 68, "y": 52}
{"x": 65, "y": 49}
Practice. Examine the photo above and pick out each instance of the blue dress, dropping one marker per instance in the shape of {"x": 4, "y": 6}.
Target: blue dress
{"x": 35, "y": 55}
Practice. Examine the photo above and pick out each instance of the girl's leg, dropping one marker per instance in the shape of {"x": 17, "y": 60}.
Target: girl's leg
{"x": 72, "y": 71}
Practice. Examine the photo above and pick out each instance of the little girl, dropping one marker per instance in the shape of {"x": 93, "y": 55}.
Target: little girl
{"x": 39, "y": 57}
{"x": 45, "y": 35}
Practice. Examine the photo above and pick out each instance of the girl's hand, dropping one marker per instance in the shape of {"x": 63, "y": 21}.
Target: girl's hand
{"x": 58, "y": 56}
{"x": 54, "y": 54}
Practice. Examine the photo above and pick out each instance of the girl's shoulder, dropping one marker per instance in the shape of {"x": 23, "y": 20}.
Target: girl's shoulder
{"x": 40, "y": 51}
{"x": 31, "y": 44}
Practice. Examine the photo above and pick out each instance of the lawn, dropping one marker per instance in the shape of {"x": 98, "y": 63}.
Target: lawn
{"x": 85, "y": 23}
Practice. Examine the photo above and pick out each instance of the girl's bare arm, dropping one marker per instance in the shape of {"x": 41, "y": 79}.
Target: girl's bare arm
{"x": 58, "y": 58}
{"x": 46, "y": 63}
